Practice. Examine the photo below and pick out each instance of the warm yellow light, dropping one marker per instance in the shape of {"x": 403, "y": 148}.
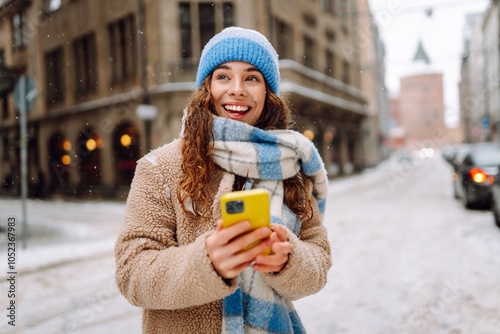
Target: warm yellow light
{"x": 99, "y": 143}
{"x": 309, "y": 134}
{"x": 65, "y": 159}
{"x": 328, "y": 137}
{"x": 67, "y": 145}
{"x": 479, "y": 177}
{"x": 126, "y": 140}
{"x": 91, "y": 144}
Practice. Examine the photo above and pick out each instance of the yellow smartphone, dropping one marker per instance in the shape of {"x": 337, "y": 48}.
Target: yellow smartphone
{"x": 252, "y": 205}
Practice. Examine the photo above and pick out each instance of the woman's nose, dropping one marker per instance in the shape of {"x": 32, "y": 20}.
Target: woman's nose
{"x": 237, "y": 87}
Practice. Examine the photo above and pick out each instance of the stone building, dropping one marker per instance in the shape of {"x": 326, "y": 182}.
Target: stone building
{"x": 114, "y": 76}
{"x": 472, "y": 85}
{"x": 479, "y": 77}
{"x": 487, "y": 121}
{"x": 420, "y": 105}
{"x": 372, "y": 71}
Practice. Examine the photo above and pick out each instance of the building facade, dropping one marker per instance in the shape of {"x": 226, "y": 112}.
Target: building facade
{"x": 480, "y": 76}
{"x": 421, "y": 102}
{"x": 488, "y": 121}
{"x": 114, "y": 76}
{"x": 472, "y": 84}
{"x": 372, "y": 71}
{"x": 419, "y": 109}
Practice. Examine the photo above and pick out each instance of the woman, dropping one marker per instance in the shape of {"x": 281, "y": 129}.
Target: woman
{"x": 173, "y": 257}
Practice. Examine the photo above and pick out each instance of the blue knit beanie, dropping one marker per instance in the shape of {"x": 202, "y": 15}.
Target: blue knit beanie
{"x": 238, "y": 44}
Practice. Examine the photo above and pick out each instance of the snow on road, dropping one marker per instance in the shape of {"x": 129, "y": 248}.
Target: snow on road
{"x": 407, "y": 259}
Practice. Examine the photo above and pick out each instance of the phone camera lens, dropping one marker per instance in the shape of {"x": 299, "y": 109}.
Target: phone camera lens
{"x": 240, "y": 206}
{"x": 230, "y": 207}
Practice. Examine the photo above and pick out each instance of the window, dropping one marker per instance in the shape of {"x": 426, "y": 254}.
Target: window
{"x": 208, "y": 25}
{"x": 284, "y": 36}
{"x": 228, "y": 13}
{"x": 207, "y": 22}
{"x": 85, "y": 64}
{"x": 343, "y": 13}
{"x": 54, "y": 75}
{"x": 309, "y": 22}
{"x": 346, "y": 75}
{"x": 308, "y": 51}
{"x": 3, "y": 99}
{"x": 330, "y": 63}
{"x": 186, "y": 38}
{"x": 19, "y": 38}
{"x": 5, "y": 106}
{"x": 329, "y": 6}
{"x": 122, "y": 43}
{"x": 5, "y": 152}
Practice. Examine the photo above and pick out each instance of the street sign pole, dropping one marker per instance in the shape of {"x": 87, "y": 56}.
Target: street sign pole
{"x": 25, "y": 93}
{"x": 24, "y": 156}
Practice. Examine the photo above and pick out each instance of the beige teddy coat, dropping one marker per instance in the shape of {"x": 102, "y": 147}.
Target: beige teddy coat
{"x": 162, "y": 264}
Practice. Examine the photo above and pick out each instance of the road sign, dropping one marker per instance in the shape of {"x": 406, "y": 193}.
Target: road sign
{"x": 25, "y": 93}
{"x": 485, "y": 121}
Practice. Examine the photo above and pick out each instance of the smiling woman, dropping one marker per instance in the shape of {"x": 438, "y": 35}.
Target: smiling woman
{"x": 174, "y": 258}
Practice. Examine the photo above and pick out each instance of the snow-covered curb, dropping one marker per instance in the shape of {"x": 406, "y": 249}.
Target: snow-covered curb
{"x": 43, "y": 257}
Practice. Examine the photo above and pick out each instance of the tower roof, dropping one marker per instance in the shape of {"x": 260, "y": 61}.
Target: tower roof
{"x": 421, "y": 55}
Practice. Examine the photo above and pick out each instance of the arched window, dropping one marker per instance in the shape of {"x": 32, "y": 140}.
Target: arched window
{"x": 127, "y": 152}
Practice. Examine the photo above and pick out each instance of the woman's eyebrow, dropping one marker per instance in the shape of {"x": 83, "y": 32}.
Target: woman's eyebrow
{"x": 223, "y": 67}
{"x": 252, "y": 69}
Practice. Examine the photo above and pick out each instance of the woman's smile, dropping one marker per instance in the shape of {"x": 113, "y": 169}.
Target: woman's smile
{"x": 236, "y": 110}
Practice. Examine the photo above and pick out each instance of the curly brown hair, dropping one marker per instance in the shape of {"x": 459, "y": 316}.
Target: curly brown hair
{"x": 197, "y": 144}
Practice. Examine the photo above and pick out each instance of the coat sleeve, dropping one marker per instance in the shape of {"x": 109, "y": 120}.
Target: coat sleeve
{"x": 308, "y": 263}
{"x": 152, "y": 270}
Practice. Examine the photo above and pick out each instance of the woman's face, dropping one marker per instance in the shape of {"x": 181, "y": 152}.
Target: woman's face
{"x": 238, "y": 91}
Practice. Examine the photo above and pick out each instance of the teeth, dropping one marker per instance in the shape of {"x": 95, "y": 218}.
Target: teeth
{"x": 236, "y": 108}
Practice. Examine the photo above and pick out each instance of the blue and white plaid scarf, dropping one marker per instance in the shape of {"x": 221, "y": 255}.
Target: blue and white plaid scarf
{"x": 270, "y": 157}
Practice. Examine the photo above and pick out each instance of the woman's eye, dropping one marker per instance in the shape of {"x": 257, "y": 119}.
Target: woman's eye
{"x": 222, "y": 77}
{"x": 252, "y": 79}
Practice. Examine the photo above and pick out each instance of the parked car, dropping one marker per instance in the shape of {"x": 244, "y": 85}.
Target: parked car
{"x": 495, "y": 205}
{"x": 475, "y": 173}
{"x": 455, "y": 160}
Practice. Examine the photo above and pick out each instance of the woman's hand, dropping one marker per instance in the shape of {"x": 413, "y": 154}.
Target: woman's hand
{"x": 280, "y": 249}
{"x": 224, "y": 248}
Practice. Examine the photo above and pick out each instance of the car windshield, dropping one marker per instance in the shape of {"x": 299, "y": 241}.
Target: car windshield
{"x": 487, "y": 157}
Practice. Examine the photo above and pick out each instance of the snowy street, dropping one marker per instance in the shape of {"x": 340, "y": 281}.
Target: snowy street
{"x": 407, "y": 258}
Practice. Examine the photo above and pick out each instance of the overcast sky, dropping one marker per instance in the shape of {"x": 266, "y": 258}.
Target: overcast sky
{"x": 403, "y": 23}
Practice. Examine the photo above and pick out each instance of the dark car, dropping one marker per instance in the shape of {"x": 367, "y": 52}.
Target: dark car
{"x": 475, "y": 174}
{"x": 495, "y": 205}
